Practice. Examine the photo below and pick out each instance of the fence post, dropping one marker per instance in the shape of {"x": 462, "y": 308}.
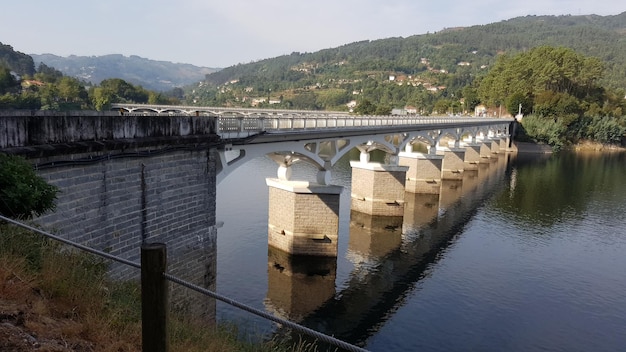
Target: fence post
{"x": 154, "y": 298}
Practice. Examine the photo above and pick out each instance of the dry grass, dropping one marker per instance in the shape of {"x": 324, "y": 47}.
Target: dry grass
{"x": 587, "y": 146}
{"x": 62, "y": 301}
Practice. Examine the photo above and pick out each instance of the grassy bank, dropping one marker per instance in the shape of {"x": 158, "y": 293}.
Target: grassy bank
{"x": 55, "y": 299}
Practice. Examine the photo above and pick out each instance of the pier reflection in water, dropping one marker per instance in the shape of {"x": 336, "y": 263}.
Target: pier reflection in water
{"x": 298, "y": 285}
{"x": 389, "y": 254}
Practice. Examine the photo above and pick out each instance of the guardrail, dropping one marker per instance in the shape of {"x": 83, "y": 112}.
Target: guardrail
{"x": 154, "y": 295}
{"x": 25, "y": 128}
{"x": 243, "y": 126}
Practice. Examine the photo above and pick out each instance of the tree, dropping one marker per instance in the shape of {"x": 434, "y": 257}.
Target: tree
{"x": 442, "y": 106}
{"x": 7, "y": 81}
{"x": 305, "y": 101}
{"x": 542, "y": 69}
{"x": 101, "y": 98}
{"x": 49, "y": 95}
{"x": 48, "y": 74}
{"x": 365, "y": 107}
{"x": 518, "y": 100}
{"x": 470, "y": 98}
{"x": 382, "y": 109}
{"x": 70, "y": 90}
{"x": 22, "y": 192}
{"x": 123, "y": 91}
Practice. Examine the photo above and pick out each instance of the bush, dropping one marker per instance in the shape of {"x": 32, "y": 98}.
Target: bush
{"x": 22, "y": 192}
{"x": 544, "y": 130}
{"x": 606, "y": 130}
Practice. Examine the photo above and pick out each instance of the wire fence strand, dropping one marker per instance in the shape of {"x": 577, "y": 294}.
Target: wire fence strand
{"x": 297, "y": 327}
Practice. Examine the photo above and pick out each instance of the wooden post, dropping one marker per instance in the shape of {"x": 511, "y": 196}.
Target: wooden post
{"x": 154, "y": 298}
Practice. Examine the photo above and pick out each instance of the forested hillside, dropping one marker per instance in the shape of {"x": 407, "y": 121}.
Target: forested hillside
{"x": 420, "y": 71}
{"x": 20, "y": 63}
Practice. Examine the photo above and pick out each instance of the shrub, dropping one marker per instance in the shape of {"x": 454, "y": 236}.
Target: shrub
{"x": 544, "y": 130}
{"x": 22, "y": 192}
{"x": 606, "y": 130}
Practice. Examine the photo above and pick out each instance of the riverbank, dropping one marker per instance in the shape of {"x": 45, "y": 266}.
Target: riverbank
{"x": 598, "y": 147}
{"x": 53, "y": 300}
{"x": 586, "y": 146}
{"x": 526, "y": 147}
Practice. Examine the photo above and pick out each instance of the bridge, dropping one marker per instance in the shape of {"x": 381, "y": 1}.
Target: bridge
{"x": 150, "y": 173}
{"x": 323, "y": 137}
{"x": 228, "y": 137}
{"x": 213, "y": 111}
{"x": 286, "y": 136}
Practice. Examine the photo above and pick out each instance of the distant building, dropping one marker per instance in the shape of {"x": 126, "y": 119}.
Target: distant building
{"x": 32, "y": 82}
{"x": 410, "y": 109}
{"x": 480, "y": 110}
{"x": 351, "y": 105}
{"x": 257, "y": 101}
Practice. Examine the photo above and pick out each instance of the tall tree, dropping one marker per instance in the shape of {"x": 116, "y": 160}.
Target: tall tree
{"x": 542, "y": 73}
{"x": 69, "y": 89}
{"x": 7, "y": 81}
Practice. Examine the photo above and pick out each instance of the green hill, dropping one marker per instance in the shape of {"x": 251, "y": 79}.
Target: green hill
{"x": 416, "y": 70}
{"x": 16, "y": 61}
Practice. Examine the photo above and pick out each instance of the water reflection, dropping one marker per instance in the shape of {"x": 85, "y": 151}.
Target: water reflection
{"x": 373, "y": 236}
{"x": 420, "y": 209}
{"x": 471, "y": 276}
{"x": 391, "y": 254}
{"x": 298, "y": 285}
{"x": 552, "y": 194}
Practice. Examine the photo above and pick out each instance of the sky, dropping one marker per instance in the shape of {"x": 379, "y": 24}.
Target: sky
{"x": 223, "y": 33}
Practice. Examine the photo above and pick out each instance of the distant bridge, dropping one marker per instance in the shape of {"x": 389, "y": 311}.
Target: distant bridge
{"x": 214, "y": 111}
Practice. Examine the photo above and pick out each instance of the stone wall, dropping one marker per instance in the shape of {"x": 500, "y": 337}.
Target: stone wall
{"x": 113, "y": 205}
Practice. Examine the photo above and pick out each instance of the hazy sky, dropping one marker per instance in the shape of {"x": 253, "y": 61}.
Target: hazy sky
{"x": 227, "y": 32}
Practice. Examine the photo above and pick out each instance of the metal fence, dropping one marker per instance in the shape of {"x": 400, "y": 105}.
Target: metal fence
{"x": 156, "y": 343}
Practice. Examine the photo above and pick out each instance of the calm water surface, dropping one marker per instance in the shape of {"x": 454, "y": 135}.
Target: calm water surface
{"x": 532, "y": 258}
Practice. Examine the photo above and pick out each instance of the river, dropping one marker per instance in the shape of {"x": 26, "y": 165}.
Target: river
{"x": 531, "y": 260}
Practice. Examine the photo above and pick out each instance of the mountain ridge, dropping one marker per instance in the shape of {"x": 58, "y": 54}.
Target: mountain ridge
{"x": 441, "y": 63}
{"x": 148, "y": 73}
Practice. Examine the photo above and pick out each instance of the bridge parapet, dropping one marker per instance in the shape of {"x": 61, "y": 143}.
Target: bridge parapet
{"x": 241, "y": 127}
{"x": 30, "y": 130}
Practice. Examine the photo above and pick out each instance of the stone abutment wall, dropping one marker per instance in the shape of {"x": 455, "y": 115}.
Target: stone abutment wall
{"x": 124, "y": 180}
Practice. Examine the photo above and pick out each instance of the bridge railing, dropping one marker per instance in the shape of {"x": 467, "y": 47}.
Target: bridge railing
{"x": 243, "y": 126}
{"x": 28, "y": 128}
